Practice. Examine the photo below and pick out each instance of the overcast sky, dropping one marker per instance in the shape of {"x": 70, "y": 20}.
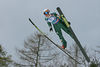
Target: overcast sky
{"x": 84, "y": 16}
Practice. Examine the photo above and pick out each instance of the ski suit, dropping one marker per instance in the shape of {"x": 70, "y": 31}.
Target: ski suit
{"x": 58, "y": 24}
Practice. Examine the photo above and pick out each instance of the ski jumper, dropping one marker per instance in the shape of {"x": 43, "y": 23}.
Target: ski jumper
{"x": 58, "y": 24}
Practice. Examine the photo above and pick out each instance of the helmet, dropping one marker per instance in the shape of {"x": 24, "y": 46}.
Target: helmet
{"x": 46, "y": 11}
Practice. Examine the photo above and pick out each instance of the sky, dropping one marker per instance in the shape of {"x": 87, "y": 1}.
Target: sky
{"x": 15, "y": 28}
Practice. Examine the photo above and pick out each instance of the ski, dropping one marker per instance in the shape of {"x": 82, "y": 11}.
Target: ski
{"x": 74, "y": 36}
{"x": 65, "y": 51}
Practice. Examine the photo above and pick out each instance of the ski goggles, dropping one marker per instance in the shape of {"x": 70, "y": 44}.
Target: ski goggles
{"x": 46, "y": 12}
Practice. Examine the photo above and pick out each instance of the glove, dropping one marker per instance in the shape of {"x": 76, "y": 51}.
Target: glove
{"x": 69, "y": 23}
{"x": 51, "y": 29}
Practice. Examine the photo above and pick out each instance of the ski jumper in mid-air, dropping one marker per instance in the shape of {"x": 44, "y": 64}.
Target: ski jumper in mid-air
{"x": 58, "y": 24}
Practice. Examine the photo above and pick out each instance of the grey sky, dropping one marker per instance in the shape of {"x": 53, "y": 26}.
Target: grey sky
{"x": 84, "y": 16}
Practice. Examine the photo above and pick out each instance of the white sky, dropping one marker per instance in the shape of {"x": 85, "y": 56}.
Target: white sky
{"x": 84, "y": 16}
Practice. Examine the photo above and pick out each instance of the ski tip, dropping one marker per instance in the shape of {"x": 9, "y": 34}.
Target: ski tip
{"x": 29, "y": 18}
{"x": 58, "y": 8}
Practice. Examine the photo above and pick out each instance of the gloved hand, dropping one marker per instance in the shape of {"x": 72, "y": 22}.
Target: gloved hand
{"x": 51, "y": 29}
{"x": 69, "y": 23}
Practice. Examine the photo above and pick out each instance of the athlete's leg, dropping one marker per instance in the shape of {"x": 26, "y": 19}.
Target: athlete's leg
{"x": 59, "y": 33}
{"x": 67, "y": 30}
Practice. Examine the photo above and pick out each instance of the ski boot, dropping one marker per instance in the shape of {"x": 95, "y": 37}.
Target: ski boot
{"x": 63, "y": 46}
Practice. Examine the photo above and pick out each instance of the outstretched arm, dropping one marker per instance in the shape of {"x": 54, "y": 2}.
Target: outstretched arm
{"x": 49, "y": 24}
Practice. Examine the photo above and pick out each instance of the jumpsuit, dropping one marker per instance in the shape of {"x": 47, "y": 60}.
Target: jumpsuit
{"x": 58, "y": 24}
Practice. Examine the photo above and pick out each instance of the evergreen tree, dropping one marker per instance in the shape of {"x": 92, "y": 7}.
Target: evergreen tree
{"x": 5, "y": 60}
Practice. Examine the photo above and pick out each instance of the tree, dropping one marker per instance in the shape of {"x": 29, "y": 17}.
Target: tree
{"x": 37, "y": 52}
{"x": 5, "y": 60}
{"x": 79, "y": 57}
{"x": 76, "y": 53}
{"x": 65, "y": 61}
{"x": 95, "y": 58}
